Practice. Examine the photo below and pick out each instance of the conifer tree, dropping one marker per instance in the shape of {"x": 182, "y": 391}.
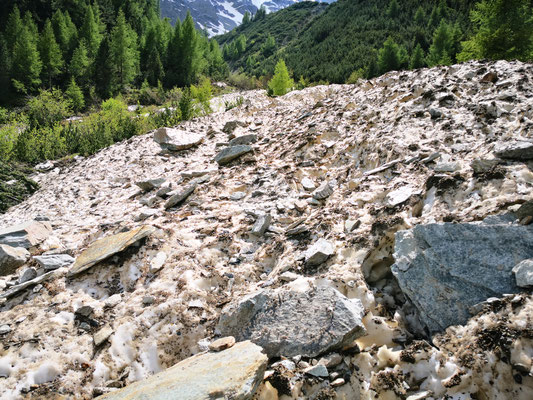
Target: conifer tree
{"x": 417, "y": 58}
{"x": 26, "y": 64}
{"x": 420, "y": 16}
{"x": 79, "y": 65}
{"x": 30, "y": 25}
{"x": 61, "y": 32}
{"x": 75, "y": 95}
{"x": 152, "y": 65}
{"x": 5, "y": 69}
{"x": 13, "y": 29}
{"x": 440, "y": 51}
{"x": 240, "y": 44}
{"x": 190, "y": 56}
{"x": 90, "y": 31}
{"x": 124, "y": 56}
{"x": 174, "y": 52}
{"x": 389, "y": 57}
{"x": 281, "y": 82}
{"x": 269, "y": 47}
{"x": 50, "y": 53}
{"x": 502, "y": 31}
{"x": 217, "y": 67}
{"x": 394, "y": 9}
{"x": 102, "y": 75}
{"x": 245, "y": 19}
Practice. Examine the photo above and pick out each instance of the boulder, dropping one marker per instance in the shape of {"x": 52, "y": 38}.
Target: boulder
{"x": 11, "y": 258}
{"x": 179, "y": 196}
{"x": 517, "y": 150}
{"x": 175, "y": 140}
{"x": 244, "y": 139}
{"x": 290, "y": 323}
{"x": 150, "y": 184}
{"x": 108, "y": 246}
{"x": 54, "y": 261}
{"x": 27, "y": 235}
{"x": 234, "y": 373}
{"x": 318, "y": 253}
{"x": 445, "y": 269}
{"x": 231, "y": 153}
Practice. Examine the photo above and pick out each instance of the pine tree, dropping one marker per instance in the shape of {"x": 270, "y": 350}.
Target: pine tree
{"x": 79, "y": 64}
{"x": 240, "y": 44}
{"x": 103, "y": 74}
{"x": 394, "y": 9}
{"x": 246, "y": 19}
{"x": 90, "y": 31}
{"x": 75, "y": 95}
{"x": 281, "y": 82}
{"x": 5, "y": 69}
{"x": 190, "y": 56}
{"x": 152, "y": 65}
{"x": 502, "y": 31}
{"x": 417, "y": 58}
{"x": 124, "y": 57}
{"x": 61, "y": 32}
{"x": 217, "y": 67}
{"x": 26, "y": 64}
{"x": 269, "y": 47}
{"x": 173, "y": 62}
{"x": 13, "y": 28}
{"x": 30, "y": 25}
{"x": 420, "y": 16}
{"x": 389, "y": 57}
{"x": 440, "y": 51}
{"x": 50, "y": 53}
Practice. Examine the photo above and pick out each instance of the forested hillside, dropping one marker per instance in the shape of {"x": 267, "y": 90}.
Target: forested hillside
{"x": 348, "y": 35}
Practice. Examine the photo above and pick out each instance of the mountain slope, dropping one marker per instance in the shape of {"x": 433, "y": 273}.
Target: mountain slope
{"x": 217, "y": 16}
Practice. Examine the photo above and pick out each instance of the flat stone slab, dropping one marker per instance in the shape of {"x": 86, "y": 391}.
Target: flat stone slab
{"x": 244, "y": 139}
{"x": 107, "y": 246}
{"x": 27, "y": 235}
{"x": 518, "y": 150}
{"x": 289, "y": 323}
{"x": 445, "y": 269}
{"x": 234, "y": 374}
{"x": 175, "y": 140}
{"x": 54, "y": 261}
{"x": 180, "y": 196}
{"x": 231, "y": 153}
{"x": 150, "y": 184}
{"x": 11, "y": 258}
{"x": 318, "y": 253}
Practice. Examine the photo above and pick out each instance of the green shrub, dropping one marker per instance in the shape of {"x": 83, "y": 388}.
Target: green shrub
{"x": 355, "y": 76}
{"x": 75, "y": 95}
{"x": 202, "y": 95}
{"x": 8, "y": 140}
{"x": 241, "y": 81}
{"x": 281, "y": 83}
{"x": 43, "y": 143}
{"x": 48, "y": 108}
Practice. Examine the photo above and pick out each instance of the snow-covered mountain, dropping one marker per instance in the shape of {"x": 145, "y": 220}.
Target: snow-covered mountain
{"x": 219, "y": 16}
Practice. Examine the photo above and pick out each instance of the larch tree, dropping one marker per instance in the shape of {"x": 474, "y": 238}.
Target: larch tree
{"x": 124, "y": 56}
{"x": 389, "y": 57}
{"x": 281, "y": 82}
{"x": 79, "y": 64}
{"x": 26, "y": 64}
{"x": 440, "y": 51}
{"x": 191, "y": 57}
{"x": 50, "y": 53}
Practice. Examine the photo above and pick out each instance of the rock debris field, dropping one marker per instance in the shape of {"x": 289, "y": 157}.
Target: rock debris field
{"x": 369, "y": 241}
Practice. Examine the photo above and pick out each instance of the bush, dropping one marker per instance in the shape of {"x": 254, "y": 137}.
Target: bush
{"x": 241, "y": 81}
{"x": 355, "y": 76}
{"x": 44, "y": 143}
{"x": 281, "y": 83}
{"x": 202, "y": 95}
{"x": 48, "y": 108}
{"x": 75, "y": 95}
{"x": 186, "y": 105}
{"x": 8, "y": 140}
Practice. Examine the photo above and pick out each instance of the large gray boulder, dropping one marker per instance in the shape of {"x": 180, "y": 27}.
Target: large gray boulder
{"x": 517, "y": 150}
{"x": 231, "y": 153}
{"x": 175, "y": 140}
{"x": 27, "y": 235}
{"x": 234, "y": 373}
{"x": 289, "y": 323}
{"x": 446, "y": 268}
{"x": 11, "y": 258}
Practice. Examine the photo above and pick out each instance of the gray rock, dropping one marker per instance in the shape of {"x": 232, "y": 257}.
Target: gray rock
{"x": 287, "y": 323}
{"x": 23, "y": 286}
{"x": 54, "y": 261}
{"x": 518, "y": 150}
{"x": 230, "y": 126}
{"x": 525, "y": 210}
{"x": 11, "y": 258}
{"x": 146, "y": 213}
{"x": 27, "y": 275}
{"x": 319, "y": 371}
{"x": 445, "y": 269}
{"x": 434, "y": 113}
{"x": 319, "y": 252}
{"x": 323, "y": 191}
{"x": 180, "y": 196}
{"x": 234, "y": 373}
{"x": 523, "y": 272}
{"x": 483, "y": 166}
{"x": 261, "y": 225}
{"x": 399, "y": 196}
{"x": 351, "y": 224}
{"x": 175, "y": 140}
{"x": 447, "y": 167}
{"x": 150, "y": 184}
{"x": 231, "y": 153}
{"x": 5, "y": 329}
{"x": 308, "y": 184}
{"x": 237, "y": 196}
{"x": 27, "y": 235}
{"x": 102, "y": 335}
{"x": 244, "y": 139}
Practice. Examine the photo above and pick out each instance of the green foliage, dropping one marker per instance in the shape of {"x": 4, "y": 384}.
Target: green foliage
{"x": 186, "y": 106}
{"x": 47, "y": 109}
{"x": 26, "y": 65}
{"x": 246, "y": 19}
{"x": 269, "y": 47}
{"x": 281, "y": 83}
{"x": 124, "y": 58}
{"x": 91, "y": 31}
{"x": 441, "y": 50}
{"x": 75, "y": 95}
{"x": 356, "y": 76}
{"x": 202, "y": 94}
{"x": 417, "y": 58}
{"x": 502, "y": 31}
{"x": 79, "y": 65}
{"x": 41, "y": 143}
{"x": 389, "y": 57}
{"x": 8, "y": 140}
{"x": 13, "y": 193}
{"x": 230, "y": 105}
{"x": 394, "y": 9}
{"x": 50, "y": 52}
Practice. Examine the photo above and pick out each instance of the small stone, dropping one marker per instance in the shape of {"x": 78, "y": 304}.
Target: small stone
{"x": 230, "y": 126}
{"x": 27, "y": 275}
{"x": 84, "y": 326}
{"x": 447, "y": 167}
{"x": 523, "y": 272}
{"x": 150, "y": 201}
{"x": 525, "y": 210}
{"x": 319, "y": 253}
{"x": 300, "y": 205}
{"x": 434, "y": 113}
{"x": 420, "y": 396}
{"x": 287, "y": 364}
{"x": 26, "y": 235}
{"x": 11, "y": 258}
{"x": 231, "y": 153}
{"x": 308, "y": 184}
{"x": 102, "y": 335}
{"x": 288, "y": 276}
{"x": 237, "y": 196}
{"x": 319, "y": 371}
{"x": 113, "y": 301}
{"x": 5, "y": 329}
{"x": 148, "y": 300}
{"x": 323, "y": 191}
{"x": 84, "y": 311}
{"x": 483, "y": 166}
{"x": 351, "y": 224}
{"x": 222, "y": 343}
{"x": 244, "y": 139}
{"x": 146, "y": 213}
{"x": 331, "y": 360}
{"x": 54, "y": 261}
{"x": 157, "y": 262}
{"x": 261, "y": 225}
{"x": 180, "y": 196}
{"x": 399, "y": 196}
{"x": 150, "y": 184}
{"x": 338, "y": 382}
{"x": 164, "y": 191}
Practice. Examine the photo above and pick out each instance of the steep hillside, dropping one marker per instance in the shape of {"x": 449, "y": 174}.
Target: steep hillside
{"x": 302, "y": 223}
{"x": 347, "y": 36}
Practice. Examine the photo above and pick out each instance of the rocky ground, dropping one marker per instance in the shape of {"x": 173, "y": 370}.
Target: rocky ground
{"x": 277, "y": 222}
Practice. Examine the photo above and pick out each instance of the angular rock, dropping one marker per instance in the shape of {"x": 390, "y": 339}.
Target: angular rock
{"x": 11, "y": 258}
{"x": 399, "y": 196}
{"x": 27, "y": 275}
{"x": 517, "y": 150}
{"x": 244, "y": 139}
{"x": 108, "y": 246}
{"x": 146, "y": 213}
{"x": 27, "y": 235}
{"x": 150, "y": 184}
{"x": 323, "y": 191}
{"x": 231, "y": 153}
{"x": 318, "y": 253}
{"x": 261, "y": 225}
{"x": 175, "y": 140}
{"x": 234, "y": 373}
{"x": 525, "y": 210}
{"x": 23, "y": 286}
{"x": 289, "y": 323}
{"x": 308, "y": 184}
{"x": 54, "y": 261}
{"x": 222, "y": 343}
{"x": 230, "y": 126}
{"x": 523, "y": 272}
{"x": 445, "y": 269}
{"x": 180, "y": 196}
{"x": 483, "y": 166}
{"x": 319, "y": 371}
{"x": 102, "y": 335}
